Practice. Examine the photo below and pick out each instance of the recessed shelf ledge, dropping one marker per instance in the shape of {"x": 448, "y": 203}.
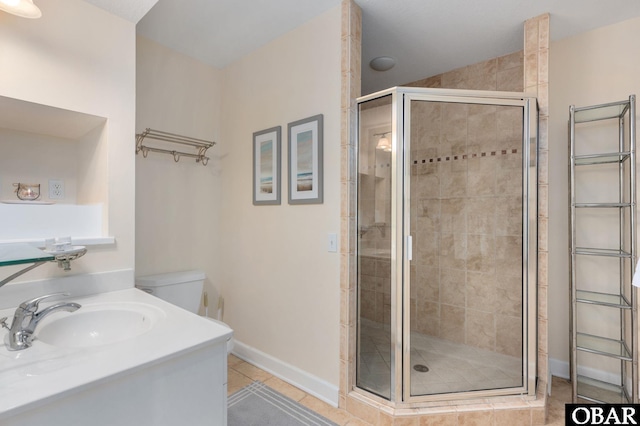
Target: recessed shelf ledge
{"x": 82, "y": 241}
{"x": 33, "y": 224}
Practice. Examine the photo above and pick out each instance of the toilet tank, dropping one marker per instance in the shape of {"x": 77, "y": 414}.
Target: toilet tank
{"x": 183, "y": 289}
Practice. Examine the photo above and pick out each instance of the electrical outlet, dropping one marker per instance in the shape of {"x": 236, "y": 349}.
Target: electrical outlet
{"x": 56, "y": 189}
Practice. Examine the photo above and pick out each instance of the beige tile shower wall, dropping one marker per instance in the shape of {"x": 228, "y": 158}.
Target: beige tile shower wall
{"x": 465, "y": 192}
{"x": 374, "y": 213}
{"x": 503, "y": 73}
{"x": 465, "y": 166}
{"x": 375, "y": 293}
{"x": 351, "y": 44}
{"x": 536, "y": 82}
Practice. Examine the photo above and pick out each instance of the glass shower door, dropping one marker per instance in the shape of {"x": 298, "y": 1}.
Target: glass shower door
{"x": 446, "y": 245}
{"x": 465, "y": 201}
{"x": 374, "y": 369}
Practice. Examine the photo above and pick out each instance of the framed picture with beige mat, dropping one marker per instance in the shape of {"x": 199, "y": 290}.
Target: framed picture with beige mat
{"x": 305, "y": 161}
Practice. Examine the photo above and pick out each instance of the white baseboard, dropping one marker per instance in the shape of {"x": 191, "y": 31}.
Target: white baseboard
{"x": 309, "y": 383}
{"x": 560, "y": 368}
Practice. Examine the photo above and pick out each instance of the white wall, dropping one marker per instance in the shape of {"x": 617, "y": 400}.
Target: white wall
{"x": 80, "y": 58}
{"x": 178, "y": 204}
{"x": 596, "y": 67}
{"x": 280, "y": 285}
{"x": 26, "y": 157}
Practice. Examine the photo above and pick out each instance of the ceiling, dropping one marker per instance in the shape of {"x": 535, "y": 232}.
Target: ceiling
{"x": 220, "y": 31}
{"x": 425, "y": 37}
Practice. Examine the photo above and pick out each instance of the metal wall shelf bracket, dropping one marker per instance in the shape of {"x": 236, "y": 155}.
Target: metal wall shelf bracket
{"x": 199, "y": 145}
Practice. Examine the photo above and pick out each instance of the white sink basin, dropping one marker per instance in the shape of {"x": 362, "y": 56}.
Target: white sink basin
{"x": 98, "y": 324}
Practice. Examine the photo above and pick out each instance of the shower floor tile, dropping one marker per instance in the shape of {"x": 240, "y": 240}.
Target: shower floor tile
{"x": 453, "y": 367}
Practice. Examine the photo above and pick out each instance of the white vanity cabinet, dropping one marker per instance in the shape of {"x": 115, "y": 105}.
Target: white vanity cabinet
{"x": 174, "y": 374}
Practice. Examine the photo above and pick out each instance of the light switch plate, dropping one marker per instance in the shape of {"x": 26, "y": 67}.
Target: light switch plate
{"x": 333, "y": 242}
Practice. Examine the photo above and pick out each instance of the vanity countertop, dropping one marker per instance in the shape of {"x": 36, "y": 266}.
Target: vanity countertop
{"x": 43, "y": 373}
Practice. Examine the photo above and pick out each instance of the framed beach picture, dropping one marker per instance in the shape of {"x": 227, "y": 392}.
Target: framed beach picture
{"x": 305, "y": 161}
{"x": 266, "y": 166}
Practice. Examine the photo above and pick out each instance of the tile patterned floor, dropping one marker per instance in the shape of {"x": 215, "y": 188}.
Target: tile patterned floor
{"x": 241, "y": 373}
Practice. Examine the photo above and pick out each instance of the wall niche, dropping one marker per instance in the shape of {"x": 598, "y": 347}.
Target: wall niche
{"x": 39, "y": 143}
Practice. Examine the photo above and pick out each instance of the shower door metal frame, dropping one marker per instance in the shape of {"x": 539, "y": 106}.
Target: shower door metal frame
{"x": 401, "y": 238}
{"x": 529, "y": 233}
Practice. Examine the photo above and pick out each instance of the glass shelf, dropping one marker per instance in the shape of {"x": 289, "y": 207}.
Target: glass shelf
{"x": 602, "y": 252}
{"x": 601, "y": 112}
{"x": 602, "y": 392}
{"x": 603, "y": 346}
{"x": 596, "y": 154}
{"x": 603, "y": 299}
{"x": 605, "y": 158}
{"x": 600, "y": 205}
{"x": 21, "y": 253}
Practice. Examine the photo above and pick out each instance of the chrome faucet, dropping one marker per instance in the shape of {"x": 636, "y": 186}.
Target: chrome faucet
{"x": 27, "y": 318}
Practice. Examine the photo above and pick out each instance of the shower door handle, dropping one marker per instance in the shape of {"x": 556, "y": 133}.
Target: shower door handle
{"x": 409, "y": 248}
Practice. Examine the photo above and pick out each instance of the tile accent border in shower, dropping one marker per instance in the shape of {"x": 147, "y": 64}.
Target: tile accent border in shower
{"x": 466, "y": 156}
{"x": 453, "y": 158}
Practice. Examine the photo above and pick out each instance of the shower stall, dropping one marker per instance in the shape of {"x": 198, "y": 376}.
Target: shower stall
{"x": 446, "y": 245}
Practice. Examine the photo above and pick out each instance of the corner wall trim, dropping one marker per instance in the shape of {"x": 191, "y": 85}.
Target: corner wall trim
{"x": 309, "y": 383}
